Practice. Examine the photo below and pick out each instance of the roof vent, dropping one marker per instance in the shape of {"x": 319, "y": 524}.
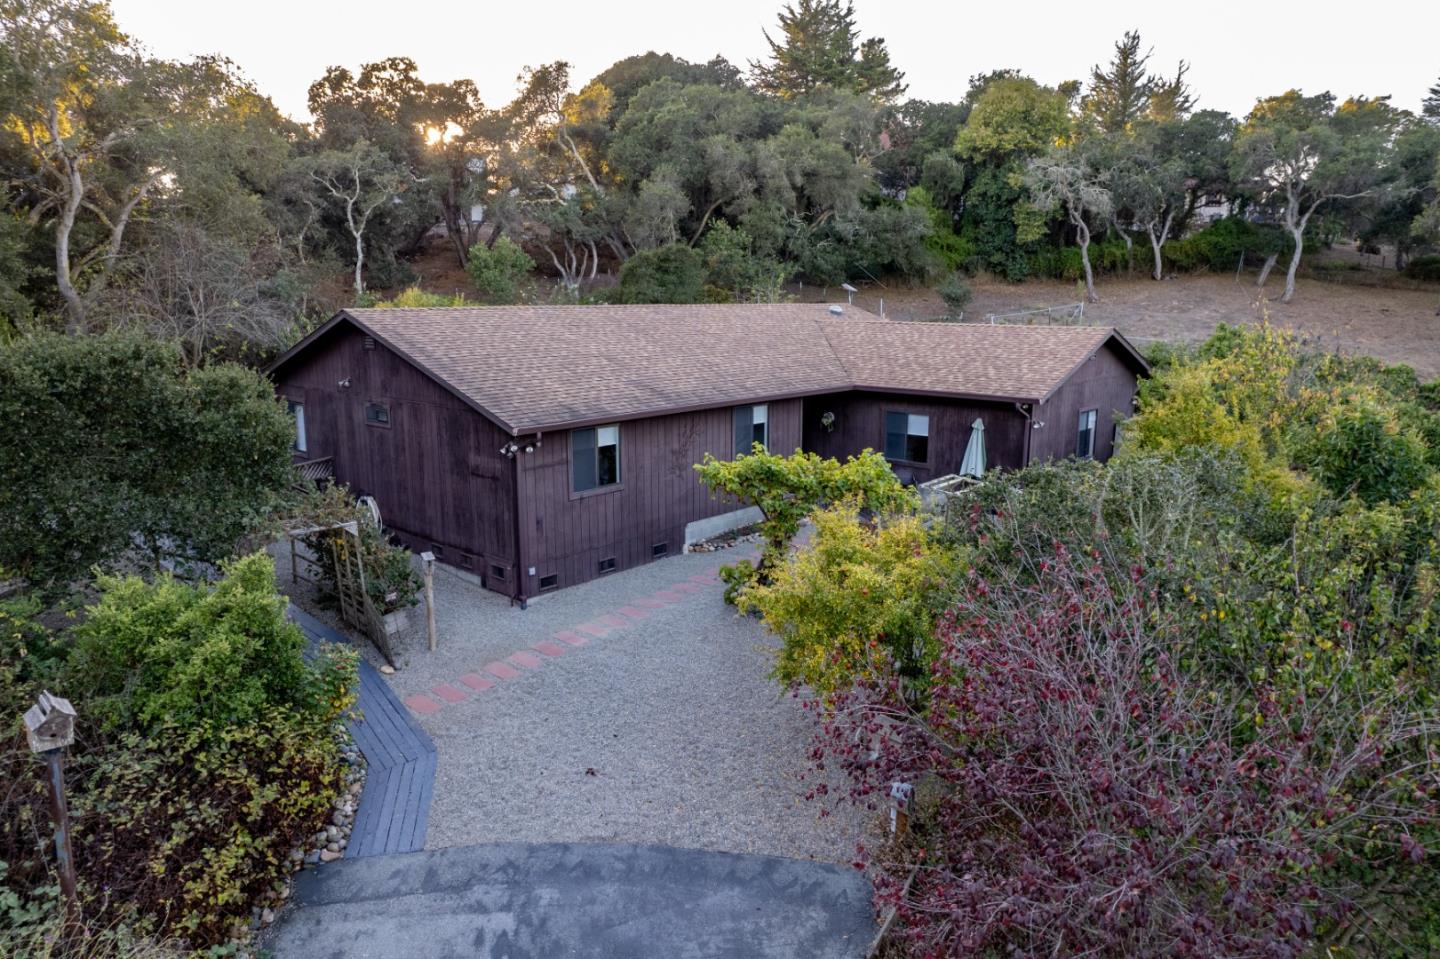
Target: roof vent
{"x": 837, "y": 310}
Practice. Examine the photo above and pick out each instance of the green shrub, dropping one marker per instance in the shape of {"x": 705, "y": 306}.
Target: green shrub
{"x": 151, "y": 654}
{"x": 859, "y": 600}
{"x": 190, "y": 826}
{"x": 1362, "y": 447}
{"x": 789, "y": 488}
{"x": 110, "y": 444}
{"x": 733, "y": 267}
{"x": 956, "y": 293}
{"x": 670, "y": 274}
{"x": 1218, "y": 247}
{"x": 497, "y": 271}
{"x": 950, "y": 250}
{"x": 1424, "y": 267}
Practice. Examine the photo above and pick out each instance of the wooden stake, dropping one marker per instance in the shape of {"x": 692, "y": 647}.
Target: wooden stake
{"x": 427, "y": 558}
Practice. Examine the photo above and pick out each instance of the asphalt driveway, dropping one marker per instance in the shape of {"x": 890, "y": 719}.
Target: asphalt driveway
{"x": 603, "y": 901}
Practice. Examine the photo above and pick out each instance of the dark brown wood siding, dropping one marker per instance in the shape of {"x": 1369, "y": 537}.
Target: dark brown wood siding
{"x": 565, "y": 534}
{"x": 435, "y": 471}
{"x": 860, "y": 424}
{"x": 1104, "y": 384}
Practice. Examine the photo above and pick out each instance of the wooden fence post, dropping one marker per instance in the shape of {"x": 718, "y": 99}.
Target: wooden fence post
{"x": 427, "y": 559}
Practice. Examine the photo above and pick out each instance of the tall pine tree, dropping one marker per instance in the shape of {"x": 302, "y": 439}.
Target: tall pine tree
{"x": 820, "y": 47}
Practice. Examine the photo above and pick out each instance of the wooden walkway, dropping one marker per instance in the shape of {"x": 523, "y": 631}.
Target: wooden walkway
{"x": 399, "y": 757}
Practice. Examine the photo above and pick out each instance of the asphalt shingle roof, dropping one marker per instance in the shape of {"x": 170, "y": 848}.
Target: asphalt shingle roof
{"x": 546, "y": 367}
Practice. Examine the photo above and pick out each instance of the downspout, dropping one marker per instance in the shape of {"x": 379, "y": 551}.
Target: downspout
{"x": 520, "y": 577}
{"x": 1025, "y": 411}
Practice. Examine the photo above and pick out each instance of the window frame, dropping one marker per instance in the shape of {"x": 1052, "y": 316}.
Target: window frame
{"x": 1089, "y": 429}
{"x": 885, "y": 437}
{"x": 764, "y": 441}
{"x": 385, "y": 405}
{"x": 301, "y": 443}
{"x": 600, "y": 488}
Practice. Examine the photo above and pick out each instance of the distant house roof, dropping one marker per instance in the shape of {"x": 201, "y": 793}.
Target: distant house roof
{"x": 549, "y": 367}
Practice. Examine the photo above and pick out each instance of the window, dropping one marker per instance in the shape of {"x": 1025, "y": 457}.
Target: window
{"x": 752, "y": 425}
{"x": 297, "y": 410}
{"x": 607, "y": 565}
{"x": 466, "y": 561}
{"x": 1085, "y": 435}
{"x": 377, "y": 414}
{"x": 437, "y": 550}
{"x": 547, "y": 583}
{"x": 595, "y": 457}
{"x": 659, "y": 549}
{"x": 498, "y": 573}
{"x": 907, "y": 437}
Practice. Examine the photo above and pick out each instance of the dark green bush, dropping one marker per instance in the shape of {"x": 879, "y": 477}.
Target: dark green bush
{"x": 1424, "y": 267}
{"x": 670, "y": 274}
{"x": 110, "y": 442}
{"x": 1219, "y": 246}
{"x": 956, "y": 293}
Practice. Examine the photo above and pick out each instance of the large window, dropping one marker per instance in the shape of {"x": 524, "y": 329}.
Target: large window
{"x": 377, "y": 414}
{"x": 907, "y": 437}
{"x": 1085, "y": 435}
{"x": 752, "y": 425}
{"x": 595, "y": 457}
{"x": 297, "y": 410}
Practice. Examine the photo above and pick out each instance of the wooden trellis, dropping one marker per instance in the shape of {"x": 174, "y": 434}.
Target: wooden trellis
{"x": 356, "y": 607}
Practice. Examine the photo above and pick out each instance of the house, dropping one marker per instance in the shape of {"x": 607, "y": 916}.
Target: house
{"x": 539, "y": 447}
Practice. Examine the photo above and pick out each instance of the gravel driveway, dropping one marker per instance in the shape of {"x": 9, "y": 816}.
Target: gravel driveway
{"x": 635, "y": 708}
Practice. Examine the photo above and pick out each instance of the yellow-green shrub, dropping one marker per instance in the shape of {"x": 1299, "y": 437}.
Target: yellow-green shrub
{"x": 860, "y": 598}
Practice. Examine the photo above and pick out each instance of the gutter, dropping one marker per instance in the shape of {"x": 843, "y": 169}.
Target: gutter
{"x": 520, "y": 577}
{"x": 1026, "y": 410}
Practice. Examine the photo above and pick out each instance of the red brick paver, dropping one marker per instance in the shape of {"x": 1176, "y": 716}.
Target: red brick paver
{"x": 448, "y": 693}
{"x": 477, "y": 682}
{"x": 594, "y": 629}
{"x": 570, "y": 637}
{"x": 649, "y": 603}
{"x": 501, "y": 670}
{"x": 668, "y": 596}
{"x": 634, "y": 612}
{"x": 522, "y": 658}
{"x": 550, "y": 648}
{"x": 610, "y": 619}
{"x": 687, "y": 587}
{"x": 422, "y": 704}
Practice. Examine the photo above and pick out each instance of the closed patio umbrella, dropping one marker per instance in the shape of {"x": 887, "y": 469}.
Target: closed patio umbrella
{"x": 974, "y": 463}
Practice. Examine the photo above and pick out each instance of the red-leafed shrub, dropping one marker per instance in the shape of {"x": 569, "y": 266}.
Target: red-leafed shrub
{"x": 1083, "y": 791}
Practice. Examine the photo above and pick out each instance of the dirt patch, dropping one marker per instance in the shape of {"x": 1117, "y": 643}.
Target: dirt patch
{"x": 1396, "y": 325}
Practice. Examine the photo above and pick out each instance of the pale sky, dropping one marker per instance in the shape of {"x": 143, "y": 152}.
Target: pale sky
{"x": 1238, "y": 50}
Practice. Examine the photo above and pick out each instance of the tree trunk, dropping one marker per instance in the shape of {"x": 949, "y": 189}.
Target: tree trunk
{"x": 495, "y": 232}
{"x": 1266, "y": 268}
{"x": 74, "y": 307}
{"x": 1083, "y": 233}
{"x": 359, "y": 264}
{"x": 1157, "y": 243}
{"x": 1298, "y": 233}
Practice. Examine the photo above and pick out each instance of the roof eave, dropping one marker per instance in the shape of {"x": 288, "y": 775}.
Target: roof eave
{"x": 1112, "y": 335}
{"x": 346, "y": 316}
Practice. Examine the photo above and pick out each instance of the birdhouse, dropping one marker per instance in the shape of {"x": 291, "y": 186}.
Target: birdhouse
{"x": 50, "y": 723}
